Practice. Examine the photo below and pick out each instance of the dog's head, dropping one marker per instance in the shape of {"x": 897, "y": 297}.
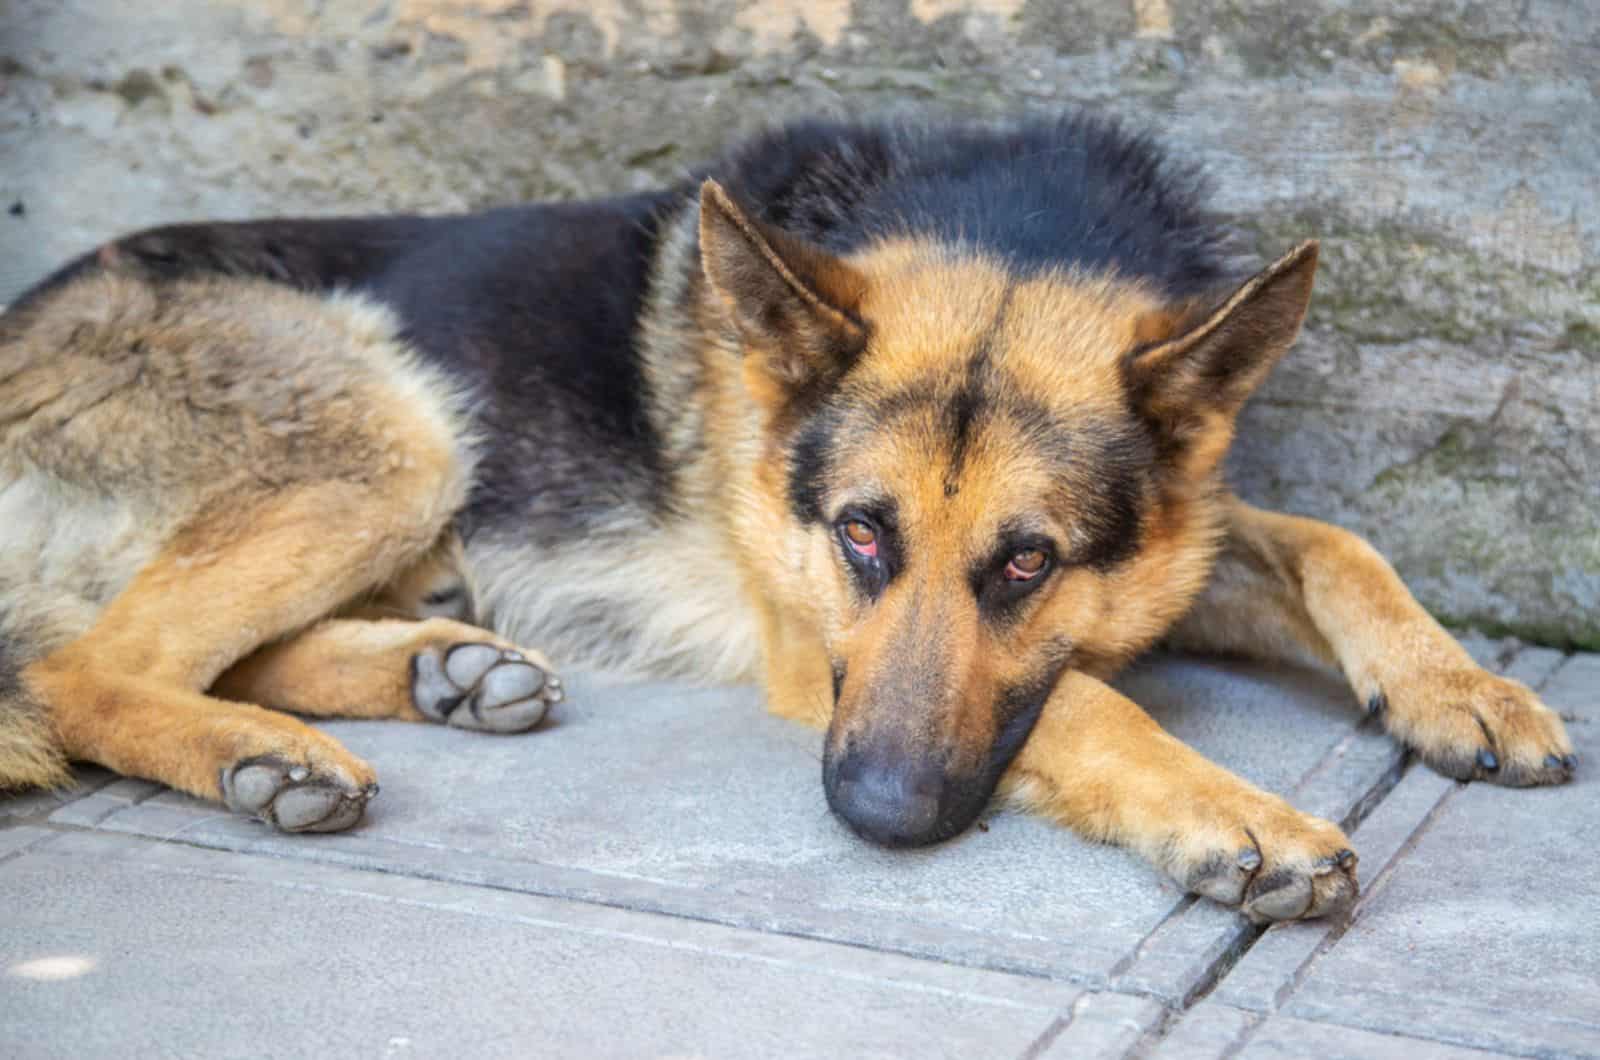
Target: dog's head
{"x": 986, "y": 478}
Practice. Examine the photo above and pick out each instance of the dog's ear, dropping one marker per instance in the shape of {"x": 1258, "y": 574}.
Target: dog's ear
{"x": 1190, "y": 385}
{"x": 792, "y": 303}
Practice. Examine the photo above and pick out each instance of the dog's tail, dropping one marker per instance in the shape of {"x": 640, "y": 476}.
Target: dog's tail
{"x": 30, "y": 757}
{"x": 30, "y": 753}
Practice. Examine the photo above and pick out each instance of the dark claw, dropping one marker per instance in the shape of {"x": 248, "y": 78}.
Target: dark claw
{"x": 1377, "y": 703}
{"x": 1553, "y": 761}
{"x": 1487, "y": 759}
{"x": 1249, "y": 859}
{"x": 1571, "y": 761}
{"x": 1345, "y": 858}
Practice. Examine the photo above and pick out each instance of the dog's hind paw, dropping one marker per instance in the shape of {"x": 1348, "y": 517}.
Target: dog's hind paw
{"x": 1470, "y": 724}
{"x": 482, "y": 686}
{"x": 295, "y": 796}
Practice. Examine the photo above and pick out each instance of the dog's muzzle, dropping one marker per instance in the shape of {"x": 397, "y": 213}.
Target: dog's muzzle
{"x": 900, "y": 800}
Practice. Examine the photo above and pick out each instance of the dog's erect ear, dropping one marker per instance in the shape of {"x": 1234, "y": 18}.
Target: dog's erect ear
{"x": 1190, "y": 386}
{"x": 793, "y": 303}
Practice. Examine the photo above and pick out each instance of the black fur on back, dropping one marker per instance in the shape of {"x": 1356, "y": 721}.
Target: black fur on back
{"x": 536, "y": 309}
{"x": 1071, "y": 190}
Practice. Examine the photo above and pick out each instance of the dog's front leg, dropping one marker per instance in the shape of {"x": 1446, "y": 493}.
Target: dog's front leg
{"x": 1099, "y": 764}
{"x": 1293, "y": 588}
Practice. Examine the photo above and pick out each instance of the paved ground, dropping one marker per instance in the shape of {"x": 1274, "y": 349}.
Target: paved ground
{"x": 655, "y": 874}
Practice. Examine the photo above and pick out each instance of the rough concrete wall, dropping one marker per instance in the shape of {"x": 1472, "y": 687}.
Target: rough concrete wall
{"x": 1445, "y": 399}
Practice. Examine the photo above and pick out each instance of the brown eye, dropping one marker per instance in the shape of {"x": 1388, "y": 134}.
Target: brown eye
{"x": 1025, "y": 565}
{"x": 863, "y": 539}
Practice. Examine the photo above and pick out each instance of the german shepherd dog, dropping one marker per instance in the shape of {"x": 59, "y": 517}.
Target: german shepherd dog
{"x": 919, "y": 424}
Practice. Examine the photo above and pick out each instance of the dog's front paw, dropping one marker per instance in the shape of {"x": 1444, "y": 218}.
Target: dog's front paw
{"x": 1256, "y": 852}
{"x": 483, "y": 686}
{"x": 1470, "y": 724}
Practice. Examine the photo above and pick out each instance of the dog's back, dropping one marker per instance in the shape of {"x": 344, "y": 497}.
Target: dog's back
{"x": 926, "y": 423}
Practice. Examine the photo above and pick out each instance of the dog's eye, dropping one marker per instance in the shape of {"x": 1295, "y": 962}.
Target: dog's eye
{"x": 861, "y": 537}
{"x": 1026, "y": 565}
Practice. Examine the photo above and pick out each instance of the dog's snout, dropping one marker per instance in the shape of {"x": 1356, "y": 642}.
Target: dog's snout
{"x": 889, "y": 800}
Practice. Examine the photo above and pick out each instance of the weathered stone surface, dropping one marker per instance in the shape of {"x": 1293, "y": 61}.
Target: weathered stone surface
{"x": 1209, "y": 1031}
{"x": 1478, "y": 927}
{"x": 95, "y": 807}
{"x": 21, "y": 837}
{"x": 1475, "y": 930}
{"x": 116, "y": 946}
{"x": 697, "y": 803}
{"x": 38, "y": 804}
{"x": 1283, "y": 1038}
{"x": 1104, "y": 1027}
{"x": 1266, "y": 976}
{"x": 1445, "y": 399}
{"x": 1574, "y": 689}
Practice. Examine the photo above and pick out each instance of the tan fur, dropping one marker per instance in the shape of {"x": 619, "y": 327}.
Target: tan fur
{"x": 1296, "y": 589}
{"x": 351, "y": 668}
{"x": 1094, "y": 761}
{"x": 259, "y": 484}
{"x": 1099, "y": 764}
{"x": 228, "y": 487}
{"x": 1063, "y": 337}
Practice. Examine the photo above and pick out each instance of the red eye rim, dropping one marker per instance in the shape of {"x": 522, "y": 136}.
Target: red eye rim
{"x": 1034, "y": 563}
{"x": 861, "y": 538}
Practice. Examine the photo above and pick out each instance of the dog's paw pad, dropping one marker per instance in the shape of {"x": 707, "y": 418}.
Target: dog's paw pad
{"x": 294, "y": 797}
{"x": 481, "y": 686}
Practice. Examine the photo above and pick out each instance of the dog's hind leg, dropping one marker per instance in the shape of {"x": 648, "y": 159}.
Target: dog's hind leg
{"x": 128, "y": 694}
{"x": 1292, "y": 588}
{"x": 434, "y": 669}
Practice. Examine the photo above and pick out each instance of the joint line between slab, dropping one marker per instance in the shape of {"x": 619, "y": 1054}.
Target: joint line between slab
{"x": 11, "y": 855}
{"x": 1049, "y": 1035}
{"x": 1179, "y": 908}
{"x": 1381, "y": 881}
{"x": 1362, "y": 808}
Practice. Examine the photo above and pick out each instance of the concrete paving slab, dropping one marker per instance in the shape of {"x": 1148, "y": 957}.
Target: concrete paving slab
{"x": 1209, "y": 1031}
{"x": 120, "y": 946}
{"x": 1574, "y": 689}
{"x": 1394, "y": 812}
{"x": 1188, "y": 951}
{"x": 18, "y": 838}
{"x": 1263, "y": 979}
{"x": 40, "y": 804}
{"x": 1535, "y": 666}
{"x": 96, "y": 806}
{"x": 696, "y": 803}
{"x": 1183, "y": 956}
{"x": 1485, "y": 933}
{"x": 1104, "y": 1026}
{"x": 1282, "y": 1038}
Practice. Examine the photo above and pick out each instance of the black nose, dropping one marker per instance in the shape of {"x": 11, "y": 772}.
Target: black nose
{"x": 888, "y": 800}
